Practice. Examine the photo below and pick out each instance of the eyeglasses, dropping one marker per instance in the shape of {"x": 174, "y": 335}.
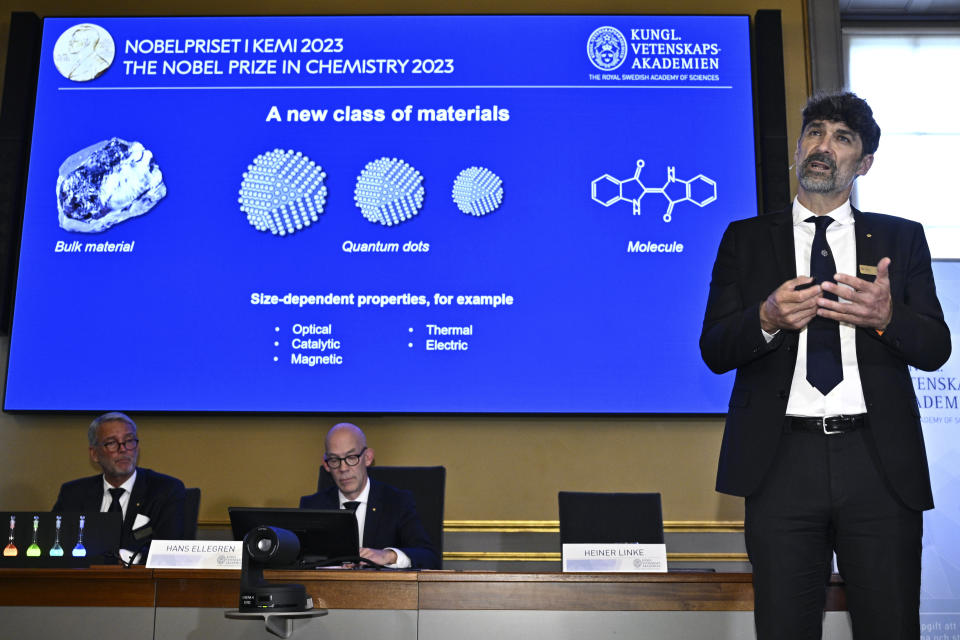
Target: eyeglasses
{"x": 126, "y": 444}
{"x": 352, "y": 460}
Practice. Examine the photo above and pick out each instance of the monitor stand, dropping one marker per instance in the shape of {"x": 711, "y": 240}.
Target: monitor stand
{"x": 280, "y": 623}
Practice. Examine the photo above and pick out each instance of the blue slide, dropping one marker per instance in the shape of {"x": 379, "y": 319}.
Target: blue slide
{"x": 492, "y": 214}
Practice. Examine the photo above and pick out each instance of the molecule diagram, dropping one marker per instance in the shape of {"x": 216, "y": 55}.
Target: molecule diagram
{"x": 607, "y": 190}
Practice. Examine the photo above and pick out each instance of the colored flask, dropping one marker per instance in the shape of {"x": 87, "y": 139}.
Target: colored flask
{"x": 56, "y": 549}
{"x": 79, "y": 551}
{"x": 33, "y": 551}
{"x": 11, "y": 549}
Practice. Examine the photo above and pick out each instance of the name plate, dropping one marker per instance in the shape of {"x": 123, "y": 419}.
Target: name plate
{"x": 627, "y": 557}
{"x": 195, "y": 554}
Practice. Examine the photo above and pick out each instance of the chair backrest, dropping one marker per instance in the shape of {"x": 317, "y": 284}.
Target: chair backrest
{"x": 191, "y": 513}
{"x": 428, "y": 486}
{"x": 610, "y": 517}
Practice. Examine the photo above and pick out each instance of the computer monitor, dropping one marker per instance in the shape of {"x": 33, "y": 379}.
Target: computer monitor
{"x": 327, "y": 536}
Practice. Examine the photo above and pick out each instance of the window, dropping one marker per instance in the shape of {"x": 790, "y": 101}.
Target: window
{"x": 910, "y": 80}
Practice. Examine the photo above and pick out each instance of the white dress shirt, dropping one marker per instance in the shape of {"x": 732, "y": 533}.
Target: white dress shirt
{"x": 403, "y": 561}
{"x": 127, "y": 555}
{"x": 847, "y": 397}
{"x": 124, "y": 499}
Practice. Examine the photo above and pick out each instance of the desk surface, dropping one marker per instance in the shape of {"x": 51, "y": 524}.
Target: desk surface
{"x": 394, "y": 590}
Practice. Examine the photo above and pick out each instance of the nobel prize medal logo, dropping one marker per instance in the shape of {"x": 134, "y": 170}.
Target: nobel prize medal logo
{"x": 83, "y": 52}
{"x": 607, "y": 48}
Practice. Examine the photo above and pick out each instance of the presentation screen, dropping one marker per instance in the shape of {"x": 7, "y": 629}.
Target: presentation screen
{"x": 481, "y": 214}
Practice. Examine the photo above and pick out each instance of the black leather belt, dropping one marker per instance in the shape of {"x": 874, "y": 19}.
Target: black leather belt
{"x": 829, "y": 425}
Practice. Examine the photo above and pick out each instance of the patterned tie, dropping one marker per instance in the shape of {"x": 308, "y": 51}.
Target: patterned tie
{"x": 351, "y": 506}
{"x": 824, "y": 369}
{"x": 115, "y": 503}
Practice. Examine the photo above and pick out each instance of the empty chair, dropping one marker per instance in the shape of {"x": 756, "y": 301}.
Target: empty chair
{"x": 610, "y": 517}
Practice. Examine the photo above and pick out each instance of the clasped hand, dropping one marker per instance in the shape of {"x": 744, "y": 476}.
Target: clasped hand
{"x": 380, "y": 556}
{"x": 864, "y": 304}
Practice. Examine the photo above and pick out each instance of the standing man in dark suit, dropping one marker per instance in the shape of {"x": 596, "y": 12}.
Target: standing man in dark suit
{"x": 151, "y": 503}
{"x": 391, "y": 533}
{"x": 821, "y": 319}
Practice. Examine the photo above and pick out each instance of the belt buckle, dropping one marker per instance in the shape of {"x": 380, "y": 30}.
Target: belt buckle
{"x": 823, "y": 423}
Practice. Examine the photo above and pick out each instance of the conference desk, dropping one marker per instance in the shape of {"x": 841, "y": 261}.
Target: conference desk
{"x": 105, "y": 602}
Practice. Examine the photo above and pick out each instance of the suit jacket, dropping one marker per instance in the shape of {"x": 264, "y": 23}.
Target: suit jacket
{"x": 755, "y": 257}
{"x": 155, "y": 495}
{"x": 392, "y": 521}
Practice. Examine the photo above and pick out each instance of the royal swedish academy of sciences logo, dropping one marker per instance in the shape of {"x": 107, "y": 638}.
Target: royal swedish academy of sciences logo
{"x": 607, "y": 48}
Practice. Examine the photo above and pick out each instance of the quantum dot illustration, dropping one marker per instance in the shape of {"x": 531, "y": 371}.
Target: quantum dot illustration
{"x": 389, "y": 191}
{"x": 282, "y": 192}
{"x": 478, "y": 191}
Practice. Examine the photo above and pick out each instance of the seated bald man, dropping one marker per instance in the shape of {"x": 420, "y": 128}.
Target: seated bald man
{"x": 391, "y": 533}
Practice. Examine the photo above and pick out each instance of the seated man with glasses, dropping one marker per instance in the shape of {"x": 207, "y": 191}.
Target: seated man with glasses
{"x": 391, "y": 533}
{"x": 150, "y": 503}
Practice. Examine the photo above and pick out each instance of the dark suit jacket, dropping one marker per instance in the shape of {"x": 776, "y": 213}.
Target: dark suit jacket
{"x": 155, "y": 495}
{"x": 392, "y": 521}
{"x": 755, "y": 257}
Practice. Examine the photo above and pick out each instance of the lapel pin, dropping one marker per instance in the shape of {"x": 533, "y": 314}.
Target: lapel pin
{"x": 869, "y": 235}
{"x": 868, "y": 270}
